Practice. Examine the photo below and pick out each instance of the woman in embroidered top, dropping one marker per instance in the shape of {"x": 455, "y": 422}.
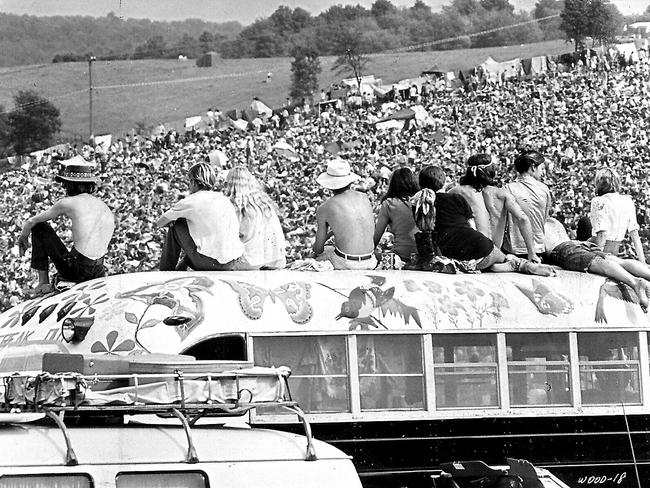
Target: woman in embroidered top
{"x": 395, "y": 211}
{"x": 259, "y": 225}
{"x": 613, "y": 215}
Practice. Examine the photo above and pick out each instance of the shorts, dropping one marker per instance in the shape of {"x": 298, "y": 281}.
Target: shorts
{"x": 576, "y": 255}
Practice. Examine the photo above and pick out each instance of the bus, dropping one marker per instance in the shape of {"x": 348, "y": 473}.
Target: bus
{"x": 401, "y": 370}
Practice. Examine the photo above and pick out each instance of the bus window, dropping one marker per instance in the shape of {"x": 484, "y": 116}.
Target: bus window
{"x": 465, "y": 370}
{"x": 538, "y": 369}
{"x": 189, "y": 479}
{"x": 609, "y": 367}
{"x": 390, "y": 372}
{"x": 224, "y": 348}
{"x": 319, "y": 378}
{"x": 46, "y": 481}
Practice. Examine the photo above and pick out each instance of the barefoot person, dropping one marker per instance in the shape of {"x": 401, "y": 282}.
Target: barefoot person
{"x": 588, "y": 257}
{"x": 92, "y": 225}
{"x": 492, "y": 205}
{"x": 347, "y": 216}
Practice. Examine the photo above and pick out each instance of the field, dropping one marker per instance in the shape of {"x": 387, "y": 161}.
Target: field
{"x": 168, "y": 91}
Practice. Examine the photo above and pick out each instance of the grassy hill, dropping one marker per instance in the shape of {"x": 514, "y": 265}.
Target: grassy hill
{"x": 230, "y": 84}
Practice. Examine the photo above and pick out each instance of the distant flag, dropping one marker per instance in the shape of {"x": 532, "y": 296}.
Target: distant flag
{"x": 103, "y": 142}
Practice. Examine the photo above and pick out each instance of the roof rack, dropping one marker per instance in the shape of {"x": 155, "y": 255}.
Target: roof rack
{"x": 186, "y": 396}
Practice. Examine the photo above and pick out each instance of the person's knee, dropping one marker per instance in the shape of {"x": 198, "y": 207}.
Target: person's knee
{"x": 42, "y": 228}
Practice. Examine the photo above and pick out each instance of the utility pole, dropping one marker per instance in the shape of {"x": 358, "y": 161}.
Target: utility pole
{"x": 90, "y": 93}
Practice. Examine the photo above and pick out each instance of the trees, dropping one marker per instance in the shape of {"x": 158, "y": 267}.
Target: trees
{"x": 305, "y": 69}
{"x": 351, "y": 62}
{"x": 33, "y": 123}
{"x": 546, "y": 8}
{"x": 589, "y": 18}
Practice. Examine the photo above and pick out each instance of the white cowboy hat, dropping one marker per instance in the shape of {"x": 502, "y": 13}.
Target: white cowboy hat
{"x": 338, "y": 175}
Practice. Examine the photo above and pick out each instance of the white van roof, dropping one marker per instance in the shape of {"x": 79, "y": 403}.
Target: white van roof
{"x": 38, "y": 445}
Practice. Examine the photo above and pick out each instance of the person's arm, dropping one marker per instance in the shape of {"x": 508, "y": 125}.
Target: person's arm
{"x": 638, "y": 247}
{"x": 177, "y": 211}
{"x": 523, "y": 223}
{"x": 600, "y": 239}
{"x": 321, "y": 232}
{"x": 382, "y": 223}
{"x": 59, "y": 208}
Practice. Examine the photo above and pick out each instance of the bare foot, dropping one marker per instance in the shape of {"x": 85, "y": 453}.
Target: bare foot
{"x": 40, "y": 290}
{"x": 538, "y": 269}
{"x": 642, "y": 291}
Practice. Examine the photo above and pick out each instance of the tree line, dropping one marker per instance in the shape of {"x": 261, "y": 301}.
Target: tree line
{"x": 28, "y": 39}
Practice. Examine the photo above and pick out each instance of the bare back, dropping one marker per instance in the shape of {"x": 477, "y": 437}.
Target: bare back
{"x": 498, "y": 213}
{"x": 479, "y": 209}
{"x": 92, "y": 224}
{"x": 349, "y": 216}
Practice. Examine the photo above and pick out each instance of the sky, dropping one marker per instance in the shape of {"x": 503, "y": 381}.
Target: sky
{"x": 244, "y": 11}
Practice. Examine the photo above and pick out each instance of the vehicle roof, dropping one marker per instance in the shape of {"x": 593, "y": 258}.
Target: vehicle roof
{"x": 128, "y": 310}
{"x": 37, "y": 445}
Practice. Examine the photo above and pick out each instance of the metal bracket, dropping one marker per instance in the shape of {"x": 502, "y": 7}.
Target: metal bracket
{"x": 70, "y": 456}
{"x": 311, "y": 451}
{"x": 192, "y": 457}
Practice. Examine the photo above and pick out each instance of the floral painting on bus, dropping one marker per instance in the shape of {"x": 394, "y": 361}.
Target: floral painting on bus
{"x": 132, "y": 309}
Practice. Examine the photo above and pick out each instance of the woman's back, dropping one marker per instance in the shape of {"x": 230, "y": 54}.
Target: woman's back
{"x": 402, "y": 225}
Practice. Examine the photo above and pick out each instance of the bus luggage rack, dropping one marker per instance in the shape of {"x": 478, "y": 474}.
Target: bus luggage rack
{"x": 187, "y": 397}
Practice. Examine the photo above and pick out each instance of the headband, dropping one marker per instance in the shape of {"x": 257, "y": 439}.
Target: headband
{"x": 474, "y": 169}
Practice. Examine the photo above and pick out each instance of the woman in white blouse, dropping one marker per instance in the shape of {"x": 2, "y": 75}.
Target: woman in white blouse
{"x": 259, "y": 225}
{"x": 613, "y": 215}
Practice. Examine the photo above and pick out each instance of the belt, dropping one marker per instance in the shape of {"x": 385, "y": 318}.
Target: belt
{"x": 352, "y": 257}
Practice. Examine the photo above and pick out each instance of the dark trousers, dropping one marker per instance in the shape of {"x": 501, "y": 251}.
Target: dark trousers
{"x": 179, "y": 239}
{"x": 71, "y": 265}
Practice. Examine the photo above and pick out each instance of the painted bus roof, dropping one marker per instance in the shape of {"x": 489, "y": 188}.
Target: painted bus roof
{"x": 37, "y": 445}
{"x": 128, "y": 310}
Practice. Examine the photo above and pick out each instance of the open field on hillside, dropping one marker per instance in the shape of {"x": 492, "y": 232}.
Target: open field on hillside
{"x": 167, "y": 91}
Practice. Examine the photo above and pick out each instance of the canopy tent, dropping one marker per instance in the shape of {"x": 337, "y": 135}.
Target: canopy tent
{"x": 535, "y": 66}
{"x": 192, "y": 121}
{"x": 501, "y": 69}
{"x": 434, "y": 70}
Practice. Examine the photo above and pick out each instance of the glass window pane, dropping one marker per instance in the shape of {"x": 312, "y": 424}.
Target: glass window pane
{"x": 538, "y": 369}
{"x": 48, "y": 481}
{"x": 465, "y": 370}
{"x": 160, "y": 480}
{"x": 609, "y": 368}
{"x": 390, "y": 370}
{"x": 319, "y": 381}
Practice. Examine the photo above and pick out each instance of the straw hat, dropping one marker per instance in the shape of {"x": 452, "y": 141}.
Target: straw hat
{"x": 338, "y": 175}
{"x": 77, "y": 169}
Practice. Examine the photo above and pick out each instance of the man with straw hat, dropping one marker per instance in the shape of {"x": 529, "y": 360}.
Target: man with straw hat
{"x": 347, "y": 216}
{"x": 92, "y": 224}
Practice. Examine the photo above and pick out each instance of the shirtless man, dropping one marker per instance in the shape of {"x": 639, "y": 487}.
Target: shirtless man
{"x": 348, "y": 217}
{"x": 92, "y": 225}
{"x": 491, "y": 205}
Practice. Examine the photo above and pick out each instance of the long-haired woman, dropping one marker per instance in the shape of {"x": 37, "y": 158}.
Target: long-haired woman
{"x": 395, "y": 212}
{"x": 259, "y": 225}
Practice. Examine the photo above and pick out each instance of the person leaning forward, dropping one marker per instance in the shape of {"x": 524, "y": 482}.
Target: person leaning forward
{"x": 92, "y": 225}
{"x": 347, "y": 216}
{"x": 204, "y": 225}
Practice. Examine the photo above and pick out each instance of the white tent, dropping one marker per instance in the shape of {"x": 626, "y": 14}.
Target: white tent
{"x": 260, "y": 108}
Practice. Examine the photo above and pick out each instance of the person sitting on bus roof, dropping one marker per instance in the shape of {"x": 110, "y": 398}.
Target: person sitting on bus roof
{"x": 587, "y": 257}
{"x": 453, "y": 234}
{"x": 492, "y": 205}
{"x": 92, "y": 225}
{"x": 348, "y": 217}
{"x": 534, "y": 198}
{"x": 204, "y": 225}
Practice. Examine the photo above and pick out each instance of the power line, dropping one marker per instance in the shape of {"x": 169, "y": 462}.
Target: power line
{"x": 179, "y": 80}
{"x": 475, "y": 34}
{"x": 42, "y": 101}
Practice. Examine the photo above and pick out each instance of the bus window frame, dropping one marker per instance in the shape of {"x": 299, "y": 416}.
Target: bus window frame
{"x": 505, "y": 410}
{"x": 206, "y": 478}
{"x": 88, "y": 476}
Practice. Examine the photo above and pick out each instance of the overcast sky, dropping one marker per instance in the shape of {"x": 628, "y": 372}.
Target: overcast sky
{"x": 244, "y": 11}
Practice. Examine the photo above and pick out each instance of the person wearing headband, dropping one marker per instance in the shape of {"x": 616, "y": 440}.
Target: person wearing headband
{"x": 492, "y": 205}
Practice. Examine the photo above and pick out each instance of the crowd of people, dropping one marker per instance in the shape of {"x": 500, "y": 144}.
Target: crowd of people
{"x": 580, "y": 121}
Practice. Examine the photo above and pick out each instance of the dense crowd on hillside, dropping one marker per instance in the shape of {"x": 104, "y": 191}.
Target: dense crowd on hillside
{"x": 580, "y": 121}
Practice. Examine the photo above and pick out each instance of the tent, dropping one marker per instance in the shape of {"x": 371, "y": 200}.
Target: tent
{"x": 535, "y": 66}
{"x": 260, "y": 108}
{"x": 284, "y": 149}
{"x": 208, "y": 59}
{"x": 434, "y": 71}
{"x": 192, "y": 121}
